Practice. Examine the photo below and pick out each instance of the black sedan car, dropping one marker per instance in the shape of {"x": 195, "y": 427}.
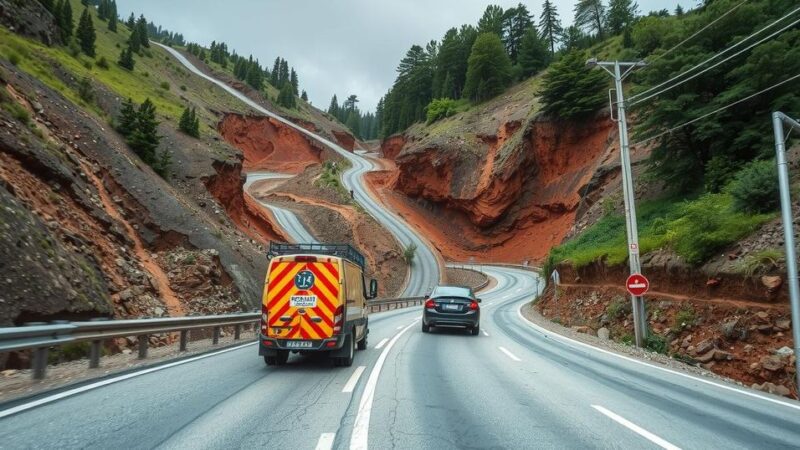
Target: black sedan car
{"x": 452, "y": 306}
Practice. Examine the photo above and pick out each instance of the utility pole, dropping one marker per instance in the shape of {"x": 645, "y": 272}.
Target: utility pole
{"x": 614, "y": 68}
{"x": 778, "y": 120}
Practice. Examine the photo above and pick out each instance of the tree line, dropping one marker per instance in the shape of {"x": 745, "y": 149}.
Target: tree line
{"x": 364, "y": 126}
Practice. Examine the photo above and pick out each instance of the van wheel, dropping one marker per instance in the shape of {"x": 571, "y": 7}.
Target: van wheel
{"x": 270, "y": 360}
{"x": 347, "y": 361}
{"x": 362, "y": 344}
{"x": 283, "y": 356}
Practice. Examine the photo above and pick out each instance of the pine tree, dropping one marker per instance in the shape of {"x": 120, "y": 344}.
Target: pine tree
{"x": 135, "y": 41}
{"x": 571, "y": 90}
{"x": 102, "y": 10}
{"x": 131, "y": 22}
{"x": 679, "y": 10}
{"x": 515, "y": 24}
{"x": 353, "y": 123}
{"x": 489, "y": 71}
{"x": 295, "y": 82}
{"x": 550, "y": 25}
{"x": 189, "y": 122}
{"x": 164, "y": 164}
{"x": 286, "y": 97}
{"x": 349, "y": 105}
{"x": 591, "y": 15}
{"x": 533, "y": 53}
{"x": 126, "y": 122}
{"x": 112, "y": 16}
{"x": 48, "y": 5}
{"x": 333, "y": 109}
{"x": 65, "y": 21}
{"x": 255, "y": 76}
{"x": 126, "y": 60}
{"x": 621, "y": 14}
{"x": 304, "y": 96}
{"x": 141, "y": 26}
{"x": 492, "y": 21}
{"x": 283, "y": 76}
{"x": 145, "y": 139}
{"x": 276, "y": 71}
{"x": 86, "y": 35}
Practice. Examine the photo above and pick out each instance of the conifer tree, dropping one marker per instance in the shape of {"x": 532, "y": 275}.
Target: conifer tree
{"x": 286, "y": 97}
{"x": 48, "y": 5}
{"x": 550, "y": 25}
{"x": 141, "y": 27}
{"x": 189, "y": 122}
{"x": 621, "y": 14}
{"x": 572, "y": 90}
{"x": 255, "y": 76}
{"x": 86, "y": 35}
{"x": 112, "y": 16}
{"x": 126, "y": 122}
{"x": 126, "y": 60}
{"x": 295, "y": 82}
{"x": 304, "y": 96}
{"x": 131, "y": 22}
{"x": 135, "y": 41}
{"x": 533, "y": 53}
{"x": 333, "y": 109}
{"x": 65, "y": 21}
{"x": 276, "y": 70}
{"x": 145, "y": 139}
{"x": 102, "y": 9}
{"x": 590, "y": 15}
{"x": 492, "y": 20}
{"x": 489, "y": 70}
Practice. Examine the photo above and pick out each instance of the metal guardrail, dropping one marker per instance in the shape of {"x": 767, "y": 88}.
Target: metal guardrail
{"x": 39, "y": 337}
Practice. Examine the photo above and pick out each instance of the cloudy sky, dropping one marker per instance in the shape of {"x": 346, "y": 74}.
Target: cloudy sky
{"x": 336, "y": 46}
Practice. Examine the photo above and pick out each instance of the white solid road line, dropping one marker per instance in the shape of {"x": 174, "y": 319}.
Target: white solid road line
{"x": 637, "y": 429}
{"x": 485, "y": 333}
{"x": 325, "y": 441}
{"x": 351, "y": 383}
{"x": 509, "y": 354}
{"x": 569, "y": 341}
{"x": 106, "y": 382}
{"x": 381, "y": 343}
{"x": 400, "y": 327}
{"x": 360, "y": 435}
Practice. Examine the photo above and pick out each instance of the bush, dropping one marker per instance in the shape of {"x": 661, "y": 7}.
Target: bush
{"x": 183, "y": 87}
{"x": 755, "y": 188}
{"x": 618, "y": 308}
{"x": 88, "y": 64}
{"x": 86, "y": 90}
{"x": 164, "y": 85}
{"x": 17, "y": 111}
{"x": 684, "y": 318}
{"x": 440, "y": 108}
{"x": 74, "y": 50}
{"x": 103, "y": 63}
{"x": 409, "y": 253}
{"x": 655, "y": 343}
{"x": 761, "y": 262}
{"x": 14, "y": 58}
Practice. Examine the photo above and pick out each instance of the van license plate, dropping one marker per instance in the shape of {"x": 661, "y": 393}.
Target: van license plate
{"x": 299, "y": 344}
{"x": 303, "y": 301}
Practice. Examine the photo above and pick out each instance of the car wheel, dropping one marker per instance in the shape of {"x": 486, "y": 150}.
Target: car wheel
{"x": 426, "y": 328}
{"x": 476, "y": 329}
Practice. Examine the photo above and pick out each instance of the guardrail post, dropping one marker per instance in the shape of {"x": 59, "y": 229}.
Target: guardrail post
{"x": 215, "y": 340}
{"x": 143, "y": 342}
{"x": 184, "y": 339}
{"x": 39, "y": 363}
{"x": 237, "y": 332}
{"x": 94, "y": 355}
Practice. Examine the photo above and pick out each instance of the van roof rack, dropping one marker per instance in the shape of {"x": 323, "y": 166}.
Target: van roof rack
{"x": 346, "y": 251}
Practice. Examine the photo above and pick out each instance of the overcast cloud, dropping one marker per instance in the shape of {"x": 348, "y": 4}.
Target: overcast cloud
{"x": 336, "y": 46}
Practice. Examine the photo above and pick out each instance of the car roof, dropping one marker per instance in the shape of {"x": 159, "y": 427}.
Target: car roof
{"x": 454, "y": 291}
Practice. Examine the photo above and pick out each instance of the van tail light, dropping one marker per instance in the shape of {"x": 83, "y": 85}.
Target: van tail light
{"x": 305, "y": 259}
{"x": 430, "y": 304}
{"x": 474, "y": 305}
{"x": 338, "y": 319}
{"x": 263, "y": 319}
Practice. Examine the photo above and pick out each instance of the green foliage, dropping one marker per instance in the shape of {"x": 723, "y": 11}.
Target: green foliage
{"x": 591, "y": 15}
{"x": 286, "y": 97}
{"x": 140, "y": 127}
{"x": 440, "y": 108}
{"x": 64, "y": 19}
{"x": 492, "y": 21}
{"x": 621, "y": 14}
{"x": 655, "y": 343}
{"x": 488, "y": 69}
{"x": 761, "y": 262}
{"x": 739, "y": 134}
{"x": 189, "y": 122}
{"x": 103, "y": 63}
{"x": 571, "y": 90}
{"x": 517, "y": 22}
{"x": 164, "y": 85}
{"x": 163, "y": 164}
{"x": 17, "y": 111}
{"x": 126, "y": 122}
{"x": 550, "y": 25}
{"x": 533, "y": 54}
{"x": 618, "y": 308}
{"x": 126, "y": 60}
{"x": 86, "y": 34}
{"x": 684, "y": 318}
{"x": 13, "y": 58}
{"x": 86, "y": 90}
{"x": 409, "y": 253}
{"x": 755, "y": 188}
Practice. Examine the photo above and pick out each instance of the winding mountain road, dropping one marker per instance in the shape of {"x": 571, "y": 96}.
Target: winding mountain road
{"x": 425, "y": 273}
{"x": 287, "y": 220}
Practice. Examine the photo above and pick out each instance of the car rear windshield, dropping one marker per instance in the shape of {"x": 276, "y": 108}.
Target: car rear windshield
{"x": 451, "y": 291}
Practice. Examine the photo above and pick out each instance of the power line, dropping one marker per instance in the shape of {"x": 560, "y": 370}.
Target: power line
{"x": 682, "y": 74}
{"x": 643, "y": 141}
{"x": 657, "y": 57}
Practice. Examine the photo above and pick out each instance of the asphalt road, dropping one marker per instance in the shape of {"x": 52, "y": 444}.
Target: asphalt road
{"x": 287, "y": 220}
{"x": 425, "y": 272}
{"x": 512, "y": 386}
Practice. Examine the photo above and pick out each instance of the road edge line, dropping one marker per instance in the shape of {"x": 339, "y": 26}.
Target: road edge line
{"x": 652, "y": 437}
{"x": 568, "y": 340}
{"x": 353, "y": 380}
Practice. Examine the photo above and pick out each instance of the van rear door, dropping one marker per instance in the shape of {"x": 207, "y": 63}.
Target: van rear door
{"x": 303, "y": 294}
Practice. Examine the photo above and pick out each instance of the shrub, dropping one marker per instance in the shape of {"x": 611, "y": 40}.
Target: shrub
{"x": 685, "y": 317}
{"x": 761, "y": 262}
{"x": 74, "y": 50}
{"x": 655, "y": 343}
{"x": 440, "y": 108}
{"x": 17, "y": 112}
{"x": 86, "y": 90}
{"x": 88, "y": 64}
{"x": 755, "y": 188}
{"x": 14, "y": 58}
{"x": 618, "y": 308}
{"x": 164, "y": 85}
{"x": 183, "y": 87}
{"x": 103, "y": 63}
{"x": 409, "y": 253}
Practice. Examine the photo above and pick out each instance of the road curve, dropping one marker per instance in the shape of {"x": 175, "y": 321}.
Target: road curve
{"x": 512, "y": 386}
{"x": 287, "y": 220}
{"x": 425, "y": 272}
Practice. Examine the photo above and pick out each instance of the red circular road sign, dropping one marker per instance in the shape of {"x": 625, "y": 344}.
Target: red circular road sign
{"x": 637, "y": 284}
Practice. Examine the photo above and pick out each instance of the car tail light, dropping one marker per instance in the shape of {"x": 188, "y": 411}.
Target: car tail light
{"x": 263, "y": 319}
{"x": 430, "y": 304}
{"x": 474, "y": 305}
{"x": 338, "y": 319}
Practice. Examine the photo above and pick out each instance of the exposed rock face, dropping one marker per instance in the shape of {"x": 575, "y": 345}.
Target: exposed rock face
{"x": 391, "y": 146}
{"x": 29, "y": 18}
{"x": 268, "y": 144}
{"x": 346, "y": 140}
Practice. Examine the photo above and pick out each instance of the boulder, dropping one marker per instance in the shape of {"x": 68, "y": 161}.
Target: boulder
{"x": 707, "y": 356}
{"x": 772, "y": 388}
{"x": 772, "y": 363}
{"x": 772, "y": 283}
{"x": 784, "y": 352}
{"x": 704, "y": 346}
{"x": 783, "y": 324}
{"x": 720, "y": 355}
{"x": 604, "y": 334}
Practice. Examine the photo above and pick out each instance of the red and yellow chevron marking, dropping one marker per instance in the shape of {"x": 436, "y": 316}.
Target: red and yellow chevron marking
{"x": 280, "y": 288}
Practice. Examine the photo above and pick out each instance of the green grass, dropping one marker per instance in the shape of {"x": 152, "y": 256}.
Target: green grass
{"x": 695, "y": 229}
{"x": 761, "y": 261}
